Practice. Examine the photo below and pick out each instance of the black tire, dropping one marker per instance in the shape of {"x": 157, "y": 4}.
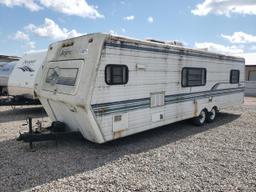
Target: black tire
{"x": 58, "y": 126}
{"x": 201, "y": 119}
{"x": 211, "y": 115}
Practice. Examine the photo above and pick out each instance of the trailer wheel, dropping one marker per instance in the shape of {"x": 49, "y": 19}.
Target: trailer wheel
{"x": 211, "y": 115}
{"x": 200, "y": 120}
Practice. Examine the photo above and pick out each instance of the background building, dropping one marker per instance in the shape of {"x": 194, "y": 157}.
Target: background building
{"x": 250, "y": 74}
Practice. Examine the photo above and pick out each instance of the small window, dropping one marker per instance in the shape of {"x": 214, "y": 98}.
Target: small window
{"x": 193, "y": 77}
{"x": 234, "y": 76}
{"x": 116, "y": 74}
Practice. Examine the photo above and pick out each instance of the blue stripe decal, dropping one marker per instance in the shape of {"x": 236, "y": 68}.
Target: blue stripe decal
{"x": 128, "y": 105}
{"x": 172, "y": 50}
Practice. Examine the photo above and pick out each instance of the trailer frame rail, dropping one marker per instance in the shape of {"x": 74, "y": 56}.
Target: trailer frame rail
{"x": 13, "y": 101}
{"x": 55, "y": 132}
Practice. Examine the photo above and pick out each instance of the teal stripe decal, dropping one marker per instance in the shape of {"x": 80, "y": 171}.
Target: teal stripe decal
{"x": 128, "y": 105}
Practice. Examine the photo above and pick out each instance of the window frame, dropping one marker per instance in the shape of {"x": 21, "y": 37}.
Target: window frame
{"x": 230, "y": 76}
{"x": 111, "y": 81}
{"x": 205, "y": 77}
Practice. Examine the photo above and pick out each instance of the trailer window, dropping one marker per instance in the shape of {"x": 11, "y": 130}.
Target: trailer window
{"x": 234, "y": 76}
{"x": 116, "y": 74}
{"x": 62, "y": 76}
{"x": 193, "y": 77}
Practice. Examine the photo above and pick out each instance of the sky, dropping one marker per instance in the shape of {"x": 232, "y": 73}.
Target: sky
{"x": 227, "y": 26}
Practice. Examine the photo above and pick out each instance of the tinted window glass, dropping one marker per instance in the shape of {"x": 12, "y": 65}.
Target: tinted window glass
{"x": 62, "y": 76}
{"x": 116, "y": 74}
{"x": 234, "y": 76}
{"x": 193, "y": 77}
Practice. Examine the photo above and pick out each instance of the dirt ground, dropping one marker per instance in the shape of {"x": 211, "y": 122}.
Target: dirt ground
{"x": 179, "y": 157}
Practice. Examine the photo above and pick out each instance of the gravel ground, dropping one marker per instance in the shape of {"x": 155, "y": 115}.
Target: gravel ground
{"x": 217, "y": 157}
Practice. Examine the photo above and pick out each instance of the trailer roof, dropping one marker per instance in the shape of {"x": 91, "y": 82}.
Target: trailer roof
{"x": 166, "y": 46}
{"x": 181, "y": 48}
{"x": 6, "y": 58}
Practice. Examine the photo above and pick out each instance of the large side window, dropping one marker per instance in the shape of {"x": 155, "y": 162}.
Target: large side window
{"x": 193, "y": 77}
{"x": 234, "y": 76}
{"x": 116, "y": 74}
{"x": 62, "y": 76}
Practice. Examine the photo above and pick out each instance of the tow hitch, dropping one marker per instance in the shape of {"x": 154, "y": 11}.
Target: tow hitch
{"x": 55, "y": 132}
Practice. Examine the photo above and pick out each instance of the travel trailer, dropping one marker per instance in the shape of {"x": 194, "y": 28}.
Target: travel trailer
{"x": 22, "y": 79}
{"x": 5, "y": 71}
{"x": 108, "y": 87}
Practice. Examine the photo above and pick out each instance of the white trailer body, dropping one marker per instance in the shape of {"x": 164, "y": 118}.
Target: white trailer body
{"x": 22, "y": 79}
{"x": 5, "y": 71}
{"x": 108, "y": 87}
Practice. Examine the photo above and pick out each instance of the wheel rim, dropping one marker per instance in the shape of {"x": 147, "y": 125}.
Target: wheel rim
{"x": 212, "y": 114}
{"x": 202, "y": 117}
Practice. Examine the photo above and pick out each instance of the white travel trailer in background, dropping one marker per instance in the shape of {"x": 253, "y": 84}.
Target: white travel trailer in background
{"x": 22, "y": 79}
{"x": 108, "y": 87}
{"x": 5, "y": 71}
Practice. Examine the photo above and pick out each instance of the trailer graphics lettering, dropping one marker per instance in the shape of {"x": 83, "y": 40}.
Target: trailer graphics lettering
{"x": 26, "y": 69}
{"x": 27, "y": 66}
